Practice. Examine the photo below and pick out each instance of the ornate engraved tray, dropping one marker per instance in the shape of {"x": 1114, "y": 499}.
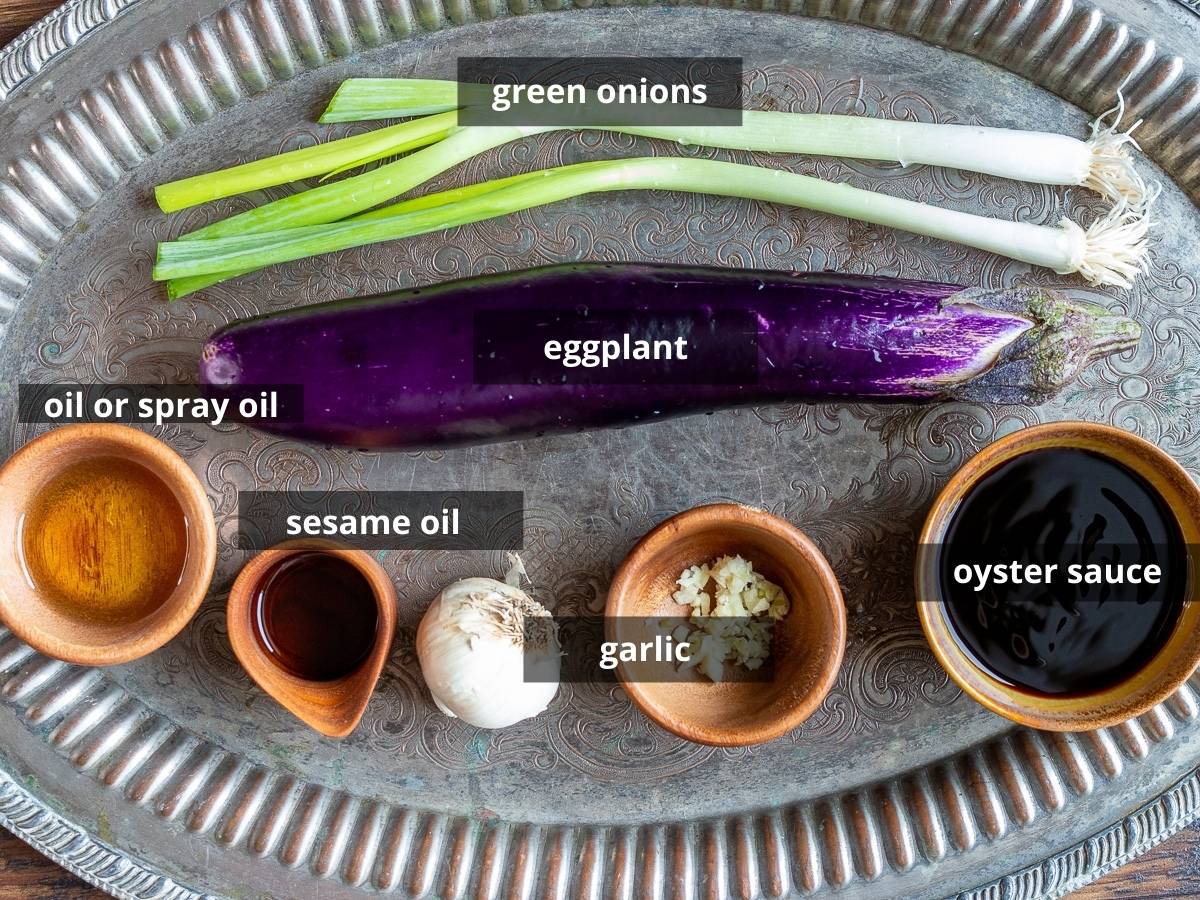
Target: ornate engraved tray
{"x": 176, "y": 777}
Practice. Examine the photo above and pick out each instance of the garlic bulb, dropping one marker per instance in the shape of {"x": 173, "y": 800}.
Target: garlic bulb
{"x": 472, "y": 646}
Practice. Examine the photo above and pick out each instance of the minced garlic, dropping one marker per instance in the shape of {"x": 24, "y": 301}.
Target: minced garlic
{"x": 732, "y": 610}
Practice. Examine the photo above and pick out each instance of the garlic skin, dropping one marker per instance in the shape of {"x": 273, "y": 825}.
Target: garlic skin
{"x": 470, "y": 644}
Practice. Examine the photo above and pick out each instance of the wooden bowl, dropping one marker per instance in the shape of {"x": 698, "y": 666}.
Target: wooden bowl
{"x": 40, "y": 624}
{"x": 1134, "y": 695}
{"x": 333, "y": 708}
{"x": 807, "y": 644}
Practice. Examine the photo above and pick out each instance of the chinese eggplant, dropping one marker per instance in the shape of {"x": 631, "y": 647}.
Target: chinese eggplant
{"x": 398, "y": 370}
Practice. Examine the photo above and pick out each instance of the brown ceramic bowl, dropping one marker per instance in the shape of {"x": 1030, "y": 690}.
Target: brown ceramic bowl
{"x": 42, "y": 626}
{"x": 333, "y": 708}
{"x": 1145, "y": 688}
{"x": 807, "y": 645}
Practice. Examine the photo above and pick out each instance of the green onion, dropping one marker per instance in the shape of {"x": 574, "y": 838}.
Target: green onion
{"x": 307, "y": 162}
{"x": 359, "y": 99}
{"x": 338, "y": 199}
{"x": 1102, "y": 163}
{"x": 182, "y": 287}
{"x": 1110, "y": 251}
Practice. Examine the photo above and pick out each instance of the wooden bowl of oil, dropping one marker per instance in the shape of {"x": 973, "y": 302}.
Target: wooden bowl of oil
{"x": 312, "y": 622}
{"x": 107, "y": 544}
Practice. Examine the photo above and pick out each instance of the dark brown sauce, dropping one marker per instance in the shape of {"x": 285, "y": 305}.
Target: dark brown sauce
{"x": 315, "y": 615}
{"x": 1064, "y": 506}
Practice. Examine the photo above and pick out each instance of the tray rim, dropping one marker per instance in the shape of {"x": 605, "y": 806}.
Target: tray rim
{"x": 125, "y": 875}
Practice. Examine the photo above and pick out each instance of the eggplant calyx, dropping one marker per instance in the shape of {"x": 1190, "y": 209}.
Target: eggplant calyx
{"x": 1066, "y": 337}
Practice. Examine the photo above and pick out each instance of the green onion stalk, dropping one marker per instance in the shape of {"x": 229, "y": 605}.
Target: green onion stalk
{"x": 1102, "y": 163}
{"x": 1109, "y": 252}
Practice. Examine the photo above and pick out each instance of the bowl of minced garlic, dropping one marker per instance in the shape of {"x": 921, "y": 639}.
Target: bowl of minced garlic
{"x": 758, "y": 610}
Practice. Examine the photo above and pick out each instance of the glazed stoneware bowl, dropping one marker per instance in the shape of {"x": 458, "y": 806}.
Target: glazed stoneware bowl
{"x": 1149, "y": 685}
{"x": 332, "y": 708}
{"x": 807, "y": 644}
{"x": 25, "y": 611}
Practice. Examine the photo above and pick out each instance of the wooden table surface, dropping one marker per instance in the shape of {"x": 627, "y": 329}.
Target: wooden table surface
{"x": 17, "y": 15}
{"x": 1171, "y": 870}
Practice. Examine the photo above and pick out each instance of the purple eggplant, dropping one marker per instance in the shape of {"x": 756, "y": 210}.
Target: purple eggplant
{"x": 398, "y": 370}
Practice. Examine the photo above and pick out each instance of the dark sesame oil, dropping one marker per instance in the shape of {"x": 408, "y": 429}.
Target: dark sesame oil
{"x": 315, "y": 615}
{"x": 1065, "y": 506}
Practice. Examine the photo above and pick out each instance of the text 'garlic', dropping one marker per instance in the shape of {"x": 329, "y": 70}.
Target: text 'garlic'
{"x": 472, "y": 645}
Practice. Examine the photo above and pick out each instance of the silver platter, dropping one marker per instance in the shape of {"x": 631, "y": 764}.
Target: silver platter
{"x": 176, "y": 777}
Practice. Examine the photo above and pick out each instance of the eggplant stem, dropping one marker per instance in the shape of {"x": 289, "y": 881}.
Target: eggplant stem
{"x": 1067, "y": 336}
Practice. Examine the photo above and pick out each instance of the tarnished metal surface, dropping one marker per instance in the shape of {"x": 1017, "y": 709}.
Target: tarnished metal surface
{"x": 175, "y": 775}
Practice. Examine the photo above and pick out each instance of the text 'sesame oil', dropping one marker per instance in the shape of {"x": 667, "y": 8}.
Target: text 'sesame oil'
{"x": 315, "y": 615}
{"x": 1068, "y": 507}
